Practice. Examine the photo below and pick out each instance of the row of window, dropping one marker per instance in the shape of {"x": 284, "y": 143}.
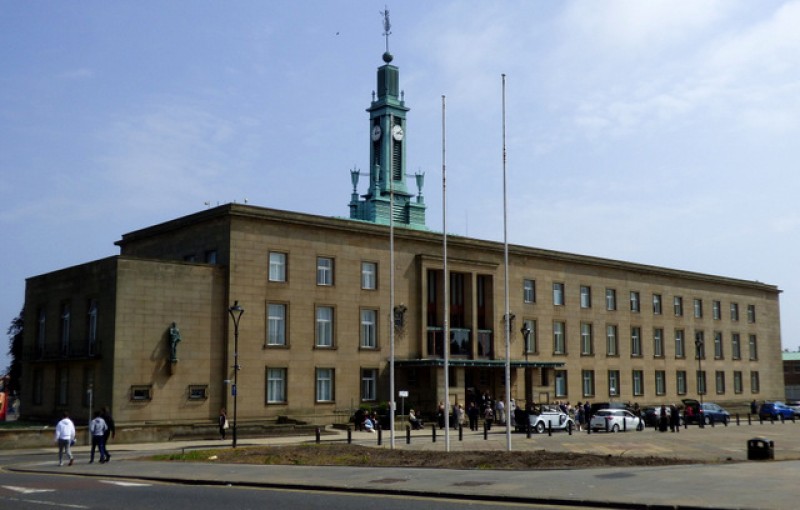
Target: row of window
{"x": 559, "y": 292}
{"x": 65, "y": 329}
{"x": 638, "y": 384}
{"x": 612, "y": 341}
{"x": 324, "y": 337}
{"x": 278, "y": 271}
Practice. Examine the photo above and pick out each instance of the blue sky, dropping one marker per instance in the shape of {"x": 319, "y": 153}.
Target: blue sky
{"x": 659, "y": 132}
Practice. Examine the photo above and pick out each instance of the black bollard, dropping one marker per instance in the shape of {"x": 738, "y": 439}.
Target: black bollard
{"x": 460, "y": 432}
{"x": 528, "y": 430}
{"x": 569, "y": 428}
{"x": 550, "y": 429}
{"x": 408, "y": 434}
{"x": 433, "y": 433}
{"x": 318, "y": 434}
{"x": 737, "y": 419}
{"x": 485, "y": 431}
{"x": 380, "y": 436}
{"x": 624, "y": 425}
{"x": 349, "y": 435}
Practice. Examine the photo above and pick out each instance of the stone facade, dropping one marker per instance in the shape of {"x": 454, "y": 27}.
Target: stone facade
{"x": 306, "y": 348}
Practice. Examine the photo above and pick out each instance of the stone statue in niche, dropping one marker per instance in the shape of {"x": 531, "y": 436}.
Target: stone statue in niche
{"x": 174, "y": 339}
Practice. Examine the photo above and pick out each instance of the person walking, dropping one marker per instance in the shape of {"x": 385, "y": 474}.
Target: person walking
{"x": 111, "y": 430}
{"x": 222, "y": 422}
{"x": 97, "y": 428}
{"x": 65, "y": 437}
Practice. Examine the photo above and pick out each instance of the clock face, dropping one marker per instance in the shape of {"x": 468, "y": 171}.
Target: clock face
{"x": 376, "y": 133}
{"x": 397, "y": 133}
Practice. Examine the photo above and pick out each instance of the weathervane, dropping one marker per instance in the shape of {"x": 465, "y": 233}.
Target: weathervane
{"x": 387, "y": 27}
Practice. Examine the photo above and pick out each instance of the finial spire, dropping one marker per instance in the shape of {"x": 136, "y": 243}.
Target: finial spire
{"x": 387, "y": 31}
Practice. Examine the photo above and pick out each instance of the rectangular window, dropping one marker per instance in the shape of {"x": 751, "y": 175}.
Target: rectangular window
{"x": 324, "y": 271}
{"x": 716, "y": 310}
{"x": 658, "y": 343}
{"x": 656, "y": 304}
{"x": 719, "y": 378}
{"x": 701, "y": 382}
{"x": 680, "y": 344}
{"x": 586, "y": 296}
{"x": 529, "y": 291}
{"x": 276, "y": 324}
{"x": 751, "y": 313}
{"x": 587, "y": 342}
{"x": 529, "y": 336}
{"x": 197, "y": 392}
{"x": 699, "y": 345}
{"x": 611, "y": 299}
{"x": 141, "y": 393}
{"x": 324, "y": 379}
{"x": 636, "y": 341}
{"x": 369, "y": 275}
{"x": 277, "y": 266}
{"x": 635, "y": 302}
{"x": 753, "y": 347}
{"x": 638, "y": 383}
{"x": 588, "y": 383}
{"x": 38, "y": 386}
{"x": 558, "y": 294}
{"x": 559, "y": 337}
{"x": 561, "y": 383}
{"x": 734, "y": 312}
{"x": 369, "y": 328}
{"x": 738, "y": 386}
{"x": 324, "y": 326}
{"x": 718, "y": 351}
{"x": 369, "y": 385}
{"x": 755, "y": 383}
{"x": 41, "y": 322}
{"x": 613, "y": 383}
{"x": 698, "y": 308}
{"x": 736, "y": 346}
{"x": 680, "y": 382}
{"x": 65, "y": 327}
{"x": 91, "y": 328}
{"x": 677, "y": 305}
{"x": 276, "y": 385}
{"x": 612, "y": 343}
{"x": 661, "y": 382}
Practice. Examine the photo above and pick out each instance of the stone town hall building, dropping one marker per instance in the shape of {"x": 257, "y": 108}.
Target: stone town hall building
{"x": 314, "y": 340}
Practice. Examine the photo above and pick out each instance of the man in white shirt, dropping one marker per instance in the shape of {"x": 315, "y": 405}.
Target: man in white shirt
{"x": 65, "y": 435}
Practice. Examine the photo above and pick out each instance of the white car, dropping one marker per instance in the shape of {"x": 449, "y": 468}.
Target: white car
{"x": 547, "y": 418}
{"x": 615, "y": 420}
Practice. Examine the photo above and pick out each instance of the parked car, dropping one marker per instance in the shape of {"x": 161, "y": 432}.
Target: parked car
{"x": 550, "y": 417}
{"x": 615, "y": 420}
{"x": 794, "y": 405}
{"x": 770, "y": 410}
{"x": 707, "y": 412}
{"x": 652, "y": 414}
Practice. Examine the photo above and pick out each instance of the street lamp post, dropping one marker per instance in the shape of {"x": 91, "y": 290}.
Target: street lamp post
{"x": 700, "y": 349}
{"x": 236, "y": 312}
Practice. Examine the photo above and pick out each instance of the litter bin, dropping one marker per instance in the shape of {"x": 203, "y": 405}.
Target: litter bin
{"x": 760, "y": 448}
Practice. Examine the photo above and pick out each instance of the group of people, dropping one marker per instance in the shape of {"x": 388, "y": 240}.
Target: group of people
{"x": 101, "y": 428}
{"x": 366, "y": 421}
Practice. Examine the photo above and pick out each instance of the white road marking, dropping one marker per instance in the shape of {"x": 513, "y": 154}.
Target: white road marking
{"x": 125, "y": 484}
{"x": 26, "y": 490}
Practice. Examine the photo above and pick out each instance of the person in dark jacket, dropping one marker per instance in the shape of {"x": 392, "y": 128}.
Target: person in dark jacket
{"x": 111, "y": 430}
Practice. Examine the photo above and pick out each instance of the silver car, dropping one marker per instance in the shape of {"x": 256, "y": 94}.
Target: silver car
{"x": 550, "y": 417}
{"x": 615, "y": 420}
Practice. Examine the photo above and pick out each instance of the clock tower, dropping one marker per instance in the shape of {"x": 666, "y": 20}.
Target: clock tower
{"x": 388, "y": 189}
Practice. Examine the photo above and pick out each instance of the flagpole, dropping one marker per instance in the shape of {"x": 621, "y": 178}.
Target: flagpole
{"x": 446, "y": 329}
{"x": 505, "y": 256}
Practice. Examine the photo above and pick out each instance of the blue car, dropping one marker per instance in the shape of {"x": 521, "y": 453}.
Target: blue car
{"x": 775, "y": 410}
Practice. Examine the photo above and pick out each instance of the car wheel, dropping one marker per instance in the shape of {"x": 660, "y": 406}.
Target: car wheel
{"x": 540, "y": 428}
{"x": 707, "y": 420}
{"x": 615, "y": 428}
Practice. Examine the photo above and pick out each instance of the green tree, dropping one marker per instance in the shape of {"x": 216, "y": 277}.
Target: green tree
{"x": 15, "y": 333}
